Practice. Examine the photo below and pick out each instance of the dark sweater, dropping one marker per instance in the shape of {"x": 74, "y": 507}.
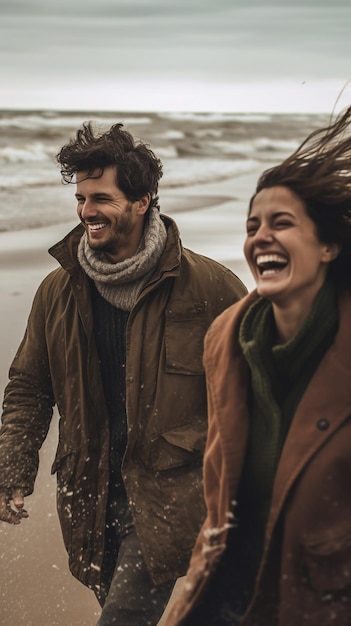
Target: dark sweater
{"x": 110, "y": 334}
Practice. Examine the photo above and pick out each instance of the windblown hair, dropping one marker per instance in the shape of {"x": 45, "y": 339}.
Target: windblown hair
{"x": 138, "y": 170}
{"x": 319, "y": 172}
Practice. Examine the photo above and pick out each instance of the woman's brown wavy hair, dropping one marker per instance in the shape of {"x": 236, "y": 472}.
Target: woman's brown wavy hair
{"x": 319, "y": 172}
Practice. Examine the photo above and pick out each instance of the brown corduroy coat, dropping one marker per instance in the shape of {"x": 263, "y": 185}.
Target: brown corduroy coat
{"x": 307, "y": 578}
{"x": 57, "y": 363}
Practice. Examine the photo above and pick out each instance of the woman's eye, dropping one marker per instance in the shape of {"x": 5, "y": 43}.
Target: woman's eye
{"x": 283, "y": 224}
{"x": 251, "y": 227}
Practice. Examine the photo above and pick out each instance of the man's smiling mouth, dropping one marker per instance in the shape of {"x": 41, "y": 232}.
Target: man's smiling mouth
{"x": 96, "y": 226}
{"x": 270, "y": 263}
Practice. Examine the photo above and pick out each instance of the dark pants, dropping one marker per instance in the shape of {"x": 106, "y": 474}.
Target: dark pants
{"x": 133, "y": 599}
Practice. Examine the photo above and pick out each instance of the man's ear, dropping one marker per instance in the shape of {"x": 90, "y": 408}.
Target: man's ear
{"x": 143, "y": 204}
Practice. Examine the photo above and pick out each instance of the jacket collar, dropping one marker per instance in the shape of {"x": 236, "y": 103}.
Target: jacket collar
{"x": 65, "y": 251}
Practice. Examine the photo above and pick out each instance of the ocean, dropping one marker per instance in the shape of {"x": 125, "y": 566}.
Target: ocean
{"x": 196, "y": 149}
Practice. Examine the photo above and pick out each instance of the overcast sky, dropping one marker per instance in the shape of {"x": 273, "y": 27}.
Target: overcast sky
{"x": 198, "y": 55}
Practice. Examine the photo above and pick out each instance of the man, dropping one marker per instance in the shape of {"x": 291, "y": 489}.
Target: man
{"x": 115, "y": 340}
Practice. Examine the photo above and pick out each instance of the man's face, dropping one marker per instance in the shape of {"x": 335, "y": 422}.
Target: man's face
{"x": 114, "y": 224}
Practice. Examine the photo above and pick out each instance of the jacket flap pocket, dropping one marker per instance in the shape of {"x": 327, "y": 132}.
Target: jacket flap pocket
{"x": 190, "y": 437}
{"x": 186, "y": 324}
{"x": 184, "y": 445}
{"x": 64, "y": 460}
{"x": 329, "y": 565}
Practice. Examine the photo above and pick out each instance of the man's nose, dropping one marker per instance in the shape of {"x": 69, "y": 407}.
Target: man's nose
{"x": 88, "y": 210}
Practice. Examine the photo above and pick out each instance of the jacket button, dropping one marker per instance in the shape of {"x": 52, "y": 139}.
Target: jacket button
{"x": 323, "y": 424}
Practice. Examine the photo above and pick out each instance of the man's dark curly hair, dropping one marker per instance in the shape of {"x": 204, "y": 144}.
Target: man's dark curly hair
{"x": 138, "y": 170}
{"x": 319, "y": 172}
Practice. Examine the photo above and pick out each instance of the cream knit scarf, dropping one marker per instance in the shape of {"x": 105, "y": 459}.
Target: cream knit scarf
{"x": 120, "y": 283}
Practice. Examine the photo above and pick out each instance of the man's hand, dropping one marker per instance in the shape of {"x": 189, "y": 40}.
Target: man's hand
{"x": 12, "y": 515}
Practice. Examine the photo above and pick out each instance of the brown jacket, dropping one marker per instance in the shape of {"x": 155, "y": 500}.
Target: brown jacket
{"x": 166, "y": 405}
{"x": 307, "y": 578}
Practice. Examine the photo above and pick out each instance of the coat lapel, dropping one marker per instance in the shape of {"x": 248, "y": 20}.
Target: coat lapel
{"x": 325, "y": 405}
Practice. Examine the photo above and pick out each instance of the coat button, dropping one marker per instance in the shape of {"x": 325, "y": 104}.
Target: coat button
{"x": 323, "y": 424}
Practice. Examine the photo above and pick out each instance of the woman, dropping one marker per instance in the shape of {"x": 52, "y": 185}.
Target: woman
{"x": 275, "y": 549}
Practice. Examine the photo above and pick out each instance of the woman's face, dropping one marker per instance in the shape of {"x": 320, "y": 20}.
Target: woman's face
{"x": 288, "y": 261}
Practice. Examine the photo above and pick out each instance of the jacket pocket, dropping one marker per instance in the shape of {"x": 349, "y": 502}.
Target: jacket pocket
{"x": 186, "y": 324}
{"x": 65, "y": 466}
{"x": 328, "y": 567}
{"x": 178, "y": 447}
{"x": 172, "y": 449}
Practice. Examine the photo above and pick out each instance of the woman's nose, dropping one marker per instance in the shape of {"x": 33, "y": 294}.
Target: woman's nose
{"x": 263, "y": 234}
